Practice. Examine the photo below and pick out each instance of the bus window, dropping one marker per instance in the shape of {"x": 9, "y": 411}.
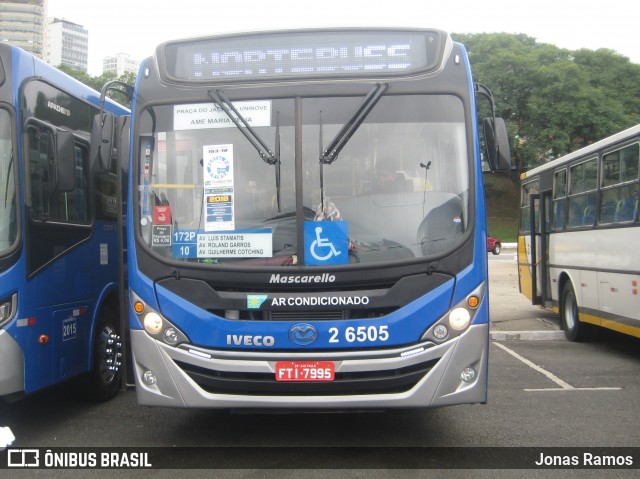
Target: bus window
{"x": 559, "y": 200}
{"x": 8, "y": 219}
{"x": 582, "y": 193}
{"x": 46, "y": 203}
{"x": 525, "y": 206}
{"x": 619, "y": 198}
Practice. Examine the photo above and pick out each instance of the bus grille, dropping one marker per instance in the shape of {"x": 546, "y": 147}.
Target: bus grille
{"x": 313, "y": 315}
{"x": 265, "y": 384}
{"x": 307, "y": 315}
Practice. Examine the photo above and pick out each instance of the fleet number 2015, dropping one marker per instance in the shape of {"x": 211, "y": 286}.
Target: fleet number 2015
{"x": 360, "y": 334}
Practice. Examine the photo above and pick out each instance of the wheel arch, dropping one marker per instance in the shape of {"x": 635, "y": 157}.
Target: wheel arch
{"x": 109, "y": 297}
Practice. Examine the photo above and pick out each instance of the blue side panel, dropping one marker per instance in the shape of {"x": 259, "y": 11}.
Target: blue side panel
{"x": 57, "y": 309}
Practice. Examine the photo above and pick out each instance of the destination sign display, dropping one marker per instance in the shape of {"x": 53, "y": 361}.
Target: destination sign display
{"x": 302, "y": 54}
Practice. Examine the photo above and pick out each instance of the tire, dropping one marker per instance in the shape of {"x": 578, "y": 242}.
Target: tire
{"x": 103, "y": 381}
{"x": 496, "y": 248}
{"x": 574, "y": 330}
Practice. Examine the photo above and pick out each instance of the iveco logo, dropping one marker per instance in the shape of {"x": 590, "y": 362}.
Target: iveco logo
{"x": 303, "y": 334}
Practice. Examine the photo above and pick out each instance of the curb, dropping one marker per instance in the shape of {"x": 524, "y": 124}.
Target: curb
{"x": 527, "y": 336}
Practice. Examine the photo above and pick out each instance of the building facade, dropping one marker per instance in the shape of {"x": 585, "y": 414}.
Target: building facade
{"x": 22, "y": 23}
{"x": 68, "y": 44}
{"x": 120, "y": 64}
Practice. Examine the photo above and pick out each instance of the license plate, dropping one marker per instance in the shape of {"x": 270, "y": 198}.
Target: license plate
{"x": 310, "y": 371}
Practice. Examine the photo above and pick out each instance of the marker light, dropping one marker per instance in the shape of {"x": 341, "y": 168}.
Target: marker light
{"x": 153, "y": 323}
{"x": 473, "y": 302}
{"x": 138, "y": 307}
{"x": 459, "y": 318}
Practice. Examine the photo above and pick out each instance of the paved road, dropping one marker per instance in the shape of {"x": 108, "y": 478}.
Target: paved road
{"x": 512, "y": 315}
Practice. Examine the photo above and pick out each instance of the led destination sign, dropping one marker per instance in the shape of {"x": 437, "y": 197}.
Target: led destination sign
{"x": 302, "y": 54}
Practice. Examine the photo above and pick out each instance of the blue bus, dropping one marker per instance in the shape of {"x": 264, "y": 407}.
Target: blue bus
{"x": 59, "y": 256}
{"x": 306, "y": 224}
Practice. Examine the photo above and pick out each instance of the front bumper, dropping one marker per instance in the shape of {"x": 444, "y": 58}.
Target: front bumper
{"x": 420, "y": 375}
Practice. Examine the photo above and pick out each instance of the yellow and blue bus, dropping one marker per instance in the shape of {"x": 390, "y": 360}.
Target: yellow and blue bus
{"x": 59, "y": 257}
{"x": 306, "y": 225}
{"x": 579, "y": 227}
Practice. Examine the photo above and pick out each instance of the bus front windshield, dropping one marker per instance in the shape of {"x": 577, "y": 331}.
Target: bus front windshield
{"x": 8, "y": 213}
{"x": 398, "y": 189}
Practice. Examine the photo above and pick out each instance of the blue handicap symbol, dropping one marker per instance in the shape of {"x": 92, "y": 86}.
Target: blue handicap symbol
{"x": 326, "y": 242}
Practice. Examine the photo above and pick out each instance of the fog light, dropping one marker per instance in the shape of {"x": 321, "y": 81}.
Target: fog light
{"x": 149, "y": 378}
{"x": 171, "y": 336}
{"x": 459, "y": 318}
{"x": 468, "y": 375}
{"x": 153, "y": 323}
{"x": 440, "y": 331}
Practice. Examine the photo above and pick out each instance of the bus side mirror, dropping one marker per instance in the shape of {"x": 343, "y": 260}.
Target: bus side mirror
{"x": 497, "y": 143}
{"x": 102, "y": 140}
{"x": 65, "y": 162}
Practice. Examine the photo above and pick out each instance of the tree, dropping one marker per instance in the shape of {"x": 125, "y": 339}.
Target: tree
{"x": 97, "y": 82}
{"x": 554, "y": 100}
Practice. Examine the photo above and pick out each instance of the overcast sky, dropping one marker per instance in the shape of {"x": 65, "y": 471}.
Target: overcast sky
{"x": 138, "y": 26}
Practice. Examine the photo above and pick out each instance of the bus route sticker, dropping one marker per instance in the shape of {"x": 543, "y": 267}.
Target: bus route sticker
{"x": 217, "y": 162}
{"x": 236, "y": 244}
{"x": 229, "y": 244}
{"x": 218, "y": 209}
{"x": 209, "y": 115}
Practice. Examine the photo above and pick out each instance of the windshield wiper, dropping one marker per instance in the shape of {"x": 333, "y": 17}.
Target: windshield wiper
{"x": 329, "y": 154}
{"x": 250, "y": 134}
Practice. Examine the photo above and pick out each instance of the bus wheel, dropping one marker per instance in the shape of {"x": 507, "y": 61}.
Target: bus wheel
{"x": 574, "y": 330}
{"x": 103, "y": 381}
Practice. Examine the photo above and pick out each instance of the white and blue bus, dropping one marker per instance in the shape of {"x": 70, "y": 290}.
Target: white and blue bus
{"x": 579, "y": 226}
{"x": 306, "y": 226}
{"x": 59, "y": 257}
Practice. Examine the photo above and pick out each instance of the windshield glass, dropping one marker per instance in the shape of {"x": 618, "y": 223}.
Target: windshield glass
{"x": 397, "y": 190}
{"x": 8, "y": 214}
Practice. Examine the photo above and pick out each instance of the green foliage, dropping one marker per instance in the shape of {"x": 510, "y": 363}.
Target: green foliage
{"x": 554, "y": 100}
{"x": 502, "y": 197}
{"x": 96, "y": 82}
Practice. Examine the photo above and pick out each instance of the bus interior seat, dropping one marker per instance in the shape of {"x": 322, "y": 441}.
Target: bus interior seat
{"x": 608, "y": 212}
{"x": 589, "y": 215}
{"x": 576, "y": 213}
{"x": 626, "y": 210}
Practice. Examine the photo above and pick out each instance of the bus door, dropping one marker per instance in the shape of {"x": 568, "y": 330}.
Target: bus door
{"x": 538, "y": 248}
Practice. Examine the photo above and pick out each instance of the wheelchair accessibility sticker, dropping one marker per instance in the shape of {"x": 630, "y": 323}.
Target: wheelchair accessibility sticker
{"x": 326, "y": 242}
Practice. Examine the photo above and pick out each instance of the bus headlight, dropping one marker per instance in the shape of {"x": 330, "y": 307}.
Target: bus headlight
{"x": 459, "y": 318}
{"x": 8, "y": 309}
{"x": 152, "y": 322}
{"x": 156, "y": 325}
